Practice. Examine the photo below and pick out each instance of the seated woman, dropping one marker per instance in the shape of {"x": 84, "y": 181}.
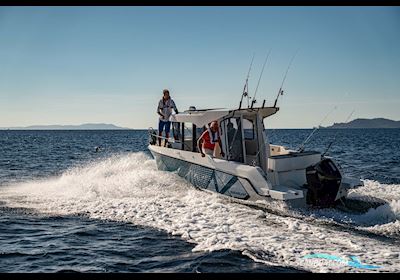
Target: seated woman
{"x": 208, "y": 139}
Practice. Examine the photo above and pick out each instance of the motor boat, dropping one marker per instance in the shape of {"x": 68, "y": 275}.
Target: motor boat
{"x": 251, "y": 169}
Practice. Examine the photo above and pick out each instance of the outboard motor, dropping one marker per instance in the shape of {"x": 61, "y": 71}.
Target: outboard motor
{"x": 323, "y": 181}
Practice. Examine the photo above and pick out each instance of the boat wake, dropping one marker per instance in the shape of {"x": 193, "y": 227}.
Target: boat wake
{"x": 129, "y": 188}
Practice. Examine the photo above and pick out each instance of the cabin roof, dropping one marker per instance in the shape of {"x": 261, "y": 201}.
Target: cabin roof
{"x": 205, "y": 116}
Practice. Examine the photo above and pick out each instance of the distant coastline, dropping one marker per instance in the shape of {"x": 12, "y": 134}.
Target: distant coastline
{"x": 357, "y": 123}
{"x": 368, "y": 123}
{"x": 86, "y": 126}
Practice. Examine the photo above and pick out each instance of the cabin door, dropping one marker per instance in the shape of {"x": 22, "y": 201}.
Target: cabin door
{"x": 250, "y": 136}
{"x": 233, "y": 139}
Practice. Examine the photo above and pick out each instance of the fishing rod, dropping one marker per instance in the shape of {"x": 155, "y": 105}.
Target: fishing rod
{"x": 280, "y": 92}
{"x": 246, "y": 85}
{"x": 334, "y": 137}
{"x": 259, "y": 79}
{"x": 302, "y": 146}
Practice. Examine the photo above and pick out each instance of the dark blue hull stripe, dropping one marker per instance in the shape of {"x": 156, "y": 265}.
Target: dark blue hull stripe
{"x": 203, "y": 177}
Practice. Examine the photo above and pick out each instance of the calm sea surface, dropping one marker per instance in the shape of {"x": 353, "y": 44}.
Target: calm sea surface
{"x": 66, "y": 207}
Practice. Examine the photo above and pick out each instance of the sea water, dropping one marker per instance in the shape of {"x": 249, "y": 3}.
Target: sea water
{"x": 94, "y": 201}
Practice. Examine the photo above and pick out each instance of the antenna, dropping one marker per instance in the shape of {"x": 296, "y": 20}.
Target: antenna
{"x": 246, "y": 85}
{"x": 301, "y": 147}
{"x": 334, "y": 138}
{"x": 280, "y": 92}
{"x": 258, "y": 83}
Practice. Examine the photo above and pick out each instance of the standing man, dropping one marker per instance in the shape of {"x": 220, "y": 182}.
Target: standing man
{"x": 164, "y": 109}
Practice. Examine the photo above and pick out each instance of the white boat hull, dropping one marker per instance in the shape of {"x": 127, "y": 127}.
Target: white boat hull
{"x": 224, "y": 177}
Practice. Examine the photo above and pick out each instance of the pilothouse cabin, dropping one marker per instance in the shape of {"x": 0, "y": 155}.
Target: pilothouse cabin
{"x": 242, "y": 133}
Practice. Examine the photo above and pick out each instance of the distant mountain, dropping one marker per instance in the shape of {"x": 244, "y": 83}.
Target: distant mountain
{"x": 368, "y": 123}
{"x": 86, "y": 126}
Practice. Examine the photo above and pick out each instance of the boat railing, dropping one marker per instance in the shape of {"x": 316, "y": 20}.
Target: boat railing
{"x": 171, "y": 140}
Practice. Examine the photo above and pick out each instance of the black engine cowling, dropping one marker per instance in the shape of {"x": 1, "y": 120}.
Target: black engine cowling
{"x": 323, "y": 181}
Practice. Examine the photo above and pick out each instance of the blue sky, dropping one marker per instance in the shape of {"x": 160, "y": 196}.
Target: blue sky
{"x": 72, "y": 65}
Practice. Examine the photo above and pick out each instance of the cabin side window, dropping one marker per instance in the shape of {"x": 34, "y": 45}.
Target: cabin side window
{"x": 191, "y": 134}
{"x": 176, "y": 131}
